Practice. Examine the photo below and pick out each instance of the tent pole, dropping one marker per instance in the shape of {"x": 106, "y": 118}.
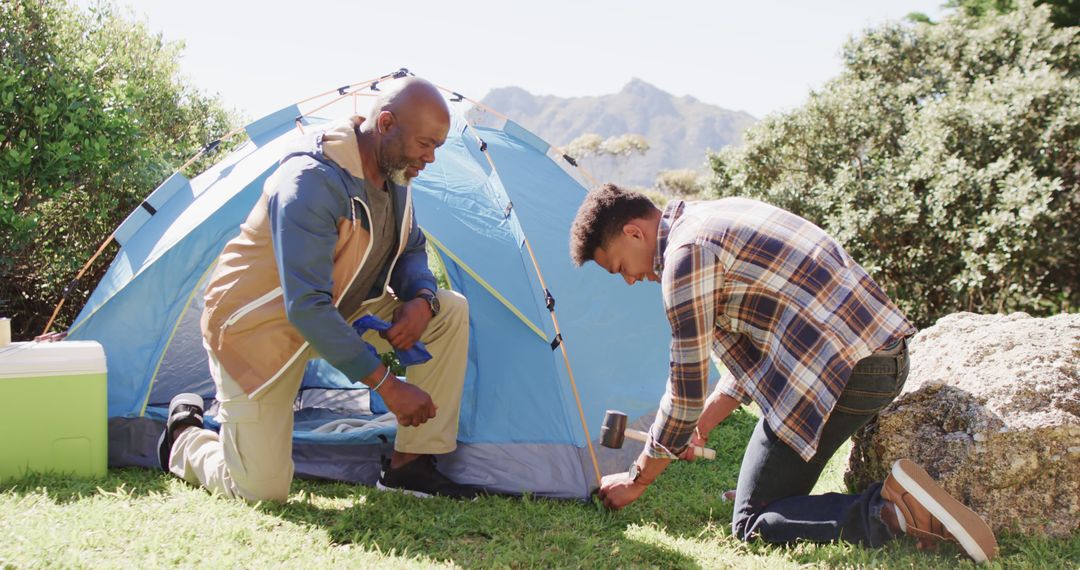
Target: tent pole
{"x": 78, "y": 276}
{"x": 569, "y": 370}
{"x": 558, "y": 332}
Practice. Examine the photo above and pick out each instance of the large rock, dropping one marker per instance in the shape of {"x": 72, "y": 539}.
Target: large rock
{"x": 992, "y": 409}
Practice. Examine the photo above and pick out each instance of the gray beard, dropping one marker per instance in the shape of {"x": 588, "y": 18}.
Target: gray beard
{"x": 399, "y": 176}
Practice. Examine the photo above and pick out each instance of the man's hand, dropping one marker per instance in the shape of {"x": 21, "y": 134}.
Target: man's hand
{"x": 410, "y": 321}
{"x": 695, "y": 441}
{"x": 410, "y": 404}
{"x": 618, "y": 490}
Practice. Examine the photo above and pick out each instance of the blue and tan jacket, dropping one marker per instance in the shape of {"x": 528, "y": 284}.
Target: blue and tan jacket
{"x": 284, "y": 283}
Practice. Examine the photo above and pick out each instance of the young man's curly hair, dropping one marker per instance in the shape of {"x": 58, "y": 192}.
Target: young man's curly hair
{"x": 602, "y": 216}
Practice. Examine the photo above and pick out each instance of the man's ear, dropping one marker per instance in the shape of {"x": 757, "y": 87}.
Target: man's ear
{"x": 632, "y": 230}
{"x": 384, "y": 122}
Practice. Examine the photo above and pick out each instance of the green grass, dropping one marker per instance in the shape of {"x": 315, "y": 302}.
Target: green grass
{"x": 144, "y": 518}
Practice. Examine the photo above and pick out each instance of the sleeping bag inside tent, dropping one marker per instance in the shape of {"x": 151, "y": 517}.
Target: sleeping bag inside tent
{"x": 551, "y": 346}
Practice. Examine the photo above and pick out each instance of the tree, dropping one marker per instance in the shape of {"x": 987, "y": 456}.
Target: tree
{"x": 605, "y": 156}
{"x": 584, "y": 146}
{"x": 1063, "y": 13}
{"x": 944, "y": 157}
{"x": 93, "y": 115}
{"x": 681, "y": 182}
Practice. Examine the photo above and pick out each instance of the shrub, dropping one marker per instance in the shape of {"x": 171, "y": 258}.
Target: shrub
{"x": 93, "y": 115}
{"x": 681, "y": 182}
{"x": 945, "y": 159}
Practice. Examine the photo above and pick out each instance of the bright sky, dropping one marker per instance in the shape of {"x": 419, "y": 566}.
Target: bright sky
{"x": 755, "y": 56}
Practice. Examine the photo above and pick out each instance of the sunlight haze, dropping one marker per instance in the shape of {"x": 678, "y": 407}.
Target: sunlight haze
{"x": 756, "y": 57}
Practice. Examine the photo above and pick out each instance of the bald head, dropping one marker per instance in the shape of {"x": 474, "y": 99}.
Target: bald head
{"x": 408, "y": 121}
{"x": 411, "y": 95}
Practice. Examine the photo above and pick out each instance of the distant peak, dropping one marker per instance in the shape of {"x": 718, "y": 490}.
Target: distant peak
{"x": 638, "y": 86}
{"x": 511, "y": 89}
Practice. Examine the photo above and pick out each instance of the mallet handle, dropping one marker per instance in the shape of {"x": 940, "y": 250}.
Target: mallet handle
{"x": 704, "y": 452}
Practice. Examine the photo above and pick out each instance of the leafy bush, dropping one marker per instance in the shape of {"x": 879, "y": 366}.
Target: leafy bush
{"x": 93, "y": 115}
{"x": 605, "y": 158}
{"x": 681, "y": 182}
{"x": 591, "y": 144}
{"x": 1062, "y": 12}
{"x": 944, "y": 157}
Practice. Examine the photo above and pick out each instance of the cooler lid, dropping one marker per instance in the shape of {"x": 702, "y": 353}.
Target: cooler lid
{"x": 22, "y": 359}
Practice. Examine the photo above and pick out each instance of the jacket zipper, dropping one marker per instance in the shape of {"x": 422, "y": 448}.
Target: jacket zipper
{"x": 243, "y": 311}
{"x": 402, "y": 242}
{"x": 363, "y": 260}
{"x": 401, "y": 247}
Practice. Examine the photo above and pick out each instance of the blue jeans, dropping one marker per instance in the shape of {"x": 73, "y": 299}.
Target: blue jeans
{"x": 772, "y": 501}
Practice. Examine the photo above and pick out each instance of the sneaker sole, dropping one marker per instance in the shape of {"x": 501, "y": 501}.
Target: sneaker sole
{"x": 189, "y": 399}
{"x": 160, "y": 443}
{"x": 973, "y": 534}
{"x": 179, "y": 399}
{"x": 419, "y": 494}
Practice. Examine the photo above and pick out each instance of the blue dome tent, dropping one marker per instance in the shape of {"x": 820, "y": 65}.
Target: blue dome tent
{"x": 551, "y": 346}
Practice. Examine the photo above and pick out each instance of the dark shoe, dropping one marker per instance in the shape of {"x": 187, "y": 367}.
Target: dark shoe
{"x": 185, "y": 410}
{"x": 926, "y": 511}
{"x": 420, "y": 478}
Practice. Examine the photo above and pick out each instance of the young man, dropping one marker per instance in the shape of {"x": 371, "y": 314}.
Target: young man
{"x": 332, "y": 231}
{"x": 803, "y": 331}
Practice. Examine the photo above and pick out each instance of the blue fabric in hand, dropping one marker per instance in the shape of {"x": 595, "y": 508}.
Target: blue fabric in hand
{"x": 418, "y": 354}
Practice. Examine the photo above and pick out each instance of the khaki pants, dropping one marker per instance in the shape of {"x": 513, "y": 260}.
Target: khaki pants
{"x": 252, "y": 455}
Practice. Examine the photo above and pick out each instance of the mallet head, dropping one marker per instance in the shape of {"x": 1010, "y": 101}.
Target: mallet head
{"x": 613, "y": 432}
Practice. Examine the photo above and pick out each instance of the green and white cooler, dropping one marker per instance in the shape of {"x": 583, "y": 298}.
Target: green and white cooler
{"x": 53, "y": 409}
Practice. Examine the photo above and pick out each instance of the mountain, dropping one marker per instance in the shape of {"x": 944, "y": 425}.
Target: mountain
{"x": 679, "y": 130}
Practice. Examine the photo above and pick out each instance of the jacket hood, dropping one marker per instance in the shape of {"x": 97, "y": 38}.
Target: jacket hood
{"x": 339, "y": 144}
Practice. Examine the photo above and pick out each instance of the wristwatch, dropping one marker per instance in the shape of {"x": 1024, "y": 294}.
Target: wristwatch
{"x": 634, "y": 473}
{"x": 432, "y": 301}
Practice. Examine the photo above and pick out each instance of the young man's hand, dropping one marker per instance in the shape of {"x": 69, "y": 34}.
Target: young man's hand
{"x": 695, "y": 441}
{"x": 717, "y": 409}
{"x": 618, "y": 490}
{"x": 410, "y": 321}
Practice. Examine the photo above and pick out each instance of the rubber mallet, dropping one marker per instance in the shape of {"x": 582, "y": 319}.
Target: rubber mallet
{"x": 614, "y": 432}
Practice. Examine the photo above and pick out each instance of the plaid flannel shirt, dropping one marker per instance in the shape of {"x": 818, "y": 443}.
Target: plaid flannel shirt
{"x": 774, "y": 298}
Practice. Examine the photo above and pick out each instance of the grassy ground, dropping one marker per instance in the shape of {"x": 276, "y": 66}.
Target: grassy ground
{"x": 147, "y": 519}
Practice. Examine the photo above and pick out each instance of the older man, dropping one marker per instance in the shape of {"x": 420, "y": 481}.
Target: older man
{"x": 331, "y": 235}
{"x": 804, "y": 332}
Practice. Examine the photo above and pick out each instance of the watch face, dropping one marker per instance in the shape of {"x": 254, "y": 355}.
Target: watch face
{"x": 633, "y": 472}
{"x": 432, "y": 302}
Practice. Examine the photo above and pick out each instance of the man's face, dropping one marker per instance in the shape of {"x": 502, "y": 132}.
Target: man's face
{"x": 409, "y": 142}
{"x": 630, "y": 254}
